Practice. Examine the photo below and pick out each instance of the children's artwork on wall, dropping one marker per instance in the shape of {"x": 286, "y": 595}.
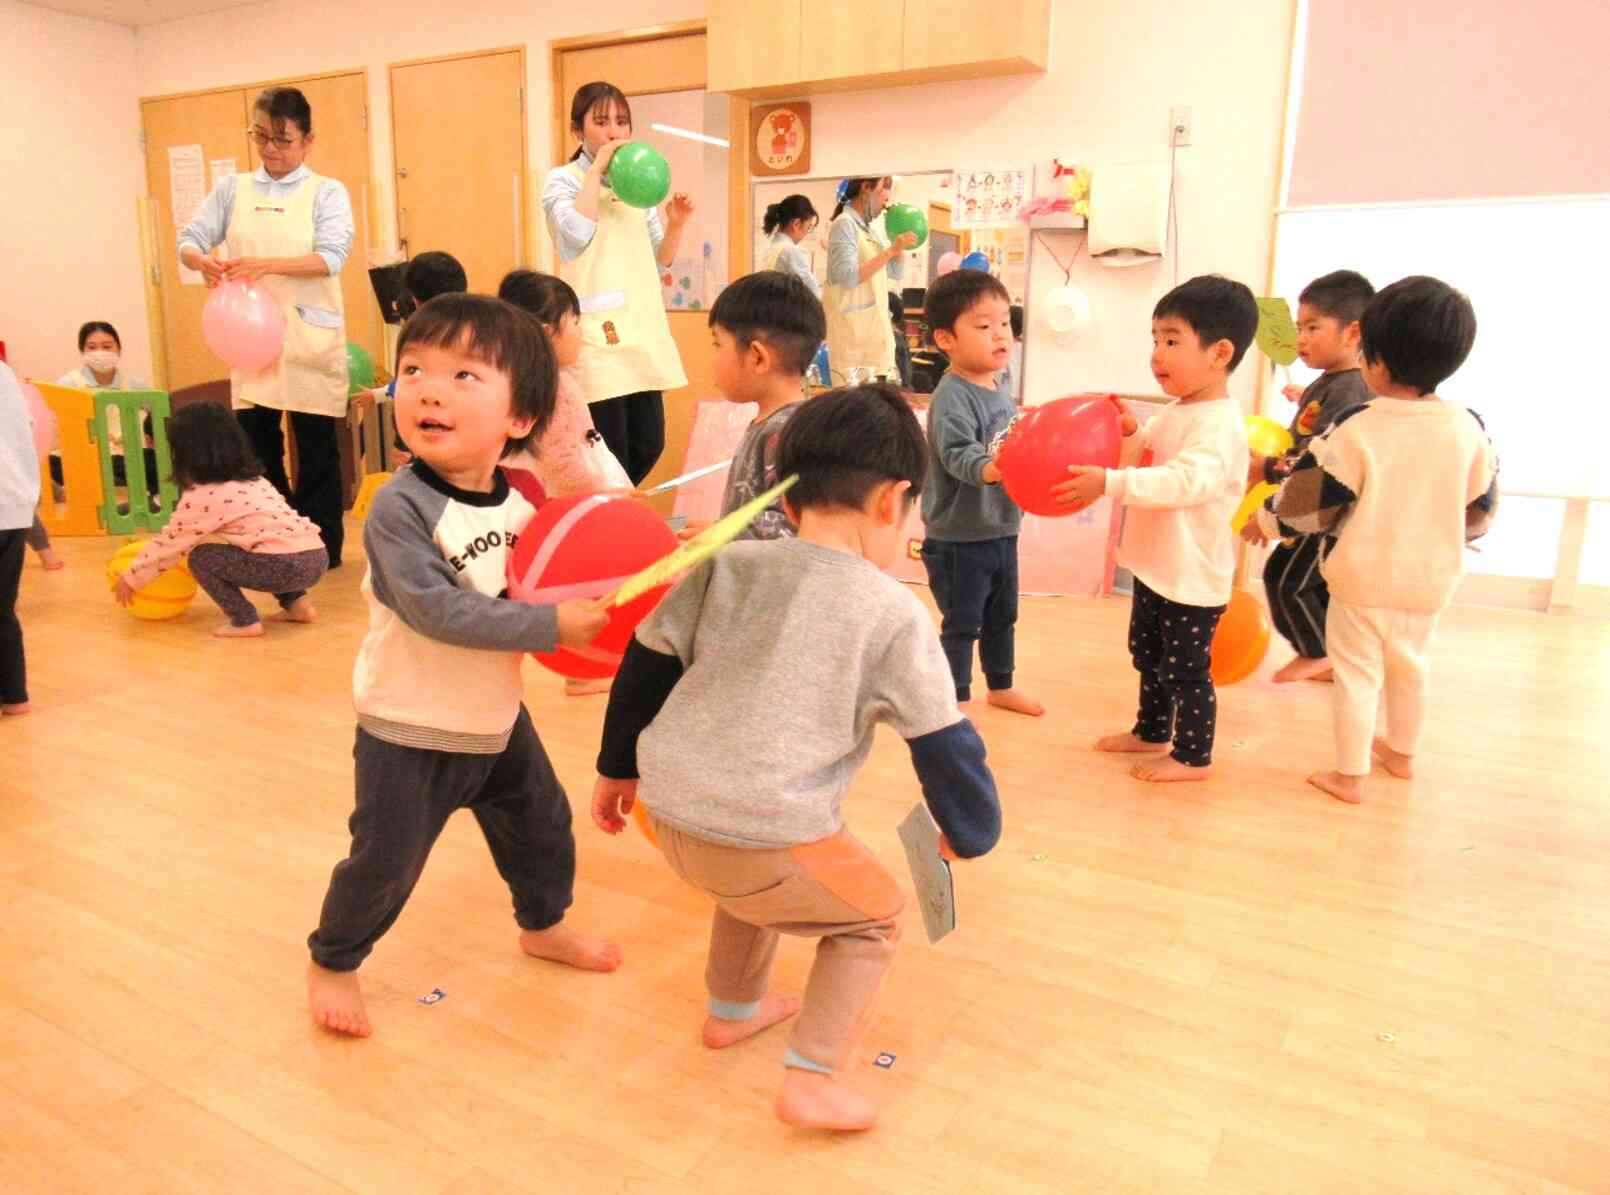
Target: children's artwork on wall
{"x": 988, "y": 196}
{"x": 683, "y": 282}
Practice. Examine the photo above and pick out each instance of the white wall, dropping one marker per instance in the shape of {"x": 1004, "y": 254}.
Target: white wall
{"x": 69, "y": 228}
{"x": 1116, "y": 70}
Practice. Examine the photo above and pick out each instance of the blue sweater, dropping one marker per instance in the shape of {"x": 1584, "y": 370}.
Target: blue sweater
{"x": 956, "y": 504}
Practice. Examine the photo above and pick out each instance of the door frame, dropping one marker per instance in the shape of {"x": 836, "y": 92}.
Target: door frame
{"x": 522, "y": 192}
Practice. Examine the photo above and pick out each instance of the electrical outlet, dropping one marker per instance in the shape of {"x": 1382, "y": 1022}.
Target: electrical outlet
{"x": 1179, "y": 125}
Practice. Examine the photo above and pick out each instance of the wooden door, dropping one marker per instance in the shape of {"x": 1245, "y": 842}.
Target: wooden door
{"x": 216, "y": 123}
{"x": 458, "y": 135}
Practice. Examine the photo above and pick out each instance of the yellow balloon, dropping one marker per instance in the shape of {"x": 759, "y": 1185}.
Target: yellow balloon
{"x": 165, "y": 597}
{"x": 1254, "y": 499}
{"x": 1266, "y": 437}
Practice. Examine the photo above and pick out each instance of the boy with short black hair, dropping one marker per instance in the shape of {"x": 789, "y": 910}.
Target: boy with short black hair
{"x": 1328, "y": 311}
{"x": 779, "y": 659}
{"x": 971, "y": 525}
{"x": 1177, "y": 540}
{"x": 437, "y": 683}
{"x": 767, "y": 327}
{"x": 1403, "y": 483}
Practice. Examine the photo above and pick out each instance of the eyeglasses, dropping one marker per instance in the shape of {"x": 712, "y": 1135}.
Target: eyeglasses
{"x": 262, "y": 139}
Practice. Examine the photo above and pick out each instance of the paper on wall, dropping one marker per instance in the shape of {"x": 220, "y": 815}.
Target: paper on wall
{"x": 187, "y": 179}
{"x": 220, "y": 169}
{"x": 988, "y": 195}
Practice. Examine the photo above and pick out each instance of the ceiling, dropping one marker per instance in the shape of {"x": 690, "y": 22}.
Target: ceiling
{"x": 139, "y": 12}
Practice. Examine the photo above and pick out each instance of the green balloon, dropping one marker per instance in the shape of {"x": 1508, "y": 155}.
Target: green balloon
{"x": 640, "y": 175}
{"x": 360, "y": 369}
{"x": 902, "y": 217}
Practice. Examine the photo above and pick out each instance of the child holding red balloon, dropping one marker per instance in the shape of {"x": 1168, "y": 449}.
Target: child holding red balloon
{"x": 779, "y": 660}
{"x": 972, "y": 524}
{"x": 1177, "y": 539}
{"x": 437, "y": 683}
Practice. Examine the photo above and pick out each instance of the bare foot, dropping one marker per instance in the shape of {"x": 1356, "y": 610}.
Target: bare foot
{"x": 1128, "y": 744}
{"x": 1168, "y": 770}
{"x": 301, "y": 610}
{"x": 719, "y": 1034}
{"x": 1399, "y": 764}
{"x": 17, "y": 710}
{"x": 1302, "y": 668}
{"x": 1016, "y": 701}
{"x": 336, "y": 1001}
{"x": 230, "y": 631}
{"x": 52, "y": 560}
{"x": 561, "y": 944}
{"x": 810, "y": 1100}
{"x": 1343, "y": 788}
{"x": 582, "y": 687}
{"x": 1326, "y": 677}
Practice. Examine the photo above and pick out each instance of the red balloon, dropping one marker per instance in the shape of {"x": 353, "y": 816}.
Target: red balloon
{"x": 1082, "y": 429}
{"x": 585, "y": 547}
{"x": 1241, "y": 640}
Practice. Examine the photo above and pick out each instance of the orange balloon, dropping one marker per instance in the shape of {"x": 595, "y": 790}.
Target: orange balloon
{"x": 640, "y": 816}
{"x": 1241, "y": 640}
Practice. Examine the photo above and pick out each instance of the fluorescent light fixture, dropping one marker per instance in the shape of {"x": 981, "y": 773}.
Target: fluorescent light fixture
{"x": 691, "y": 136}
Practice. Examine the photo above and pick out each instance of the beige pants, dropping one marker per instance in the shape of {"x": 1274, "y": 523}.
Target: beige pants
{"x": 1372, "y": 651}
{"x": 833, "y": 890}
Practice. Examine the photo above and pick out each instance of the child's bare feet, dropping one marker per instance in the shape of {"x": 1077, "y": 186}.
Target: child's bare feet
{"x": 719, "y": 1034}
{"x": 17, "y": 709}
{"x": 1399, "y": 764}
{"x": 52, "y": 560}
{"x": 1128, "y": 744}
{"x": 810, "y": 1100}
{"x": 1343, "y": 788}
{"x": 230, "y": 631}
{"x": 1015, "y": 700}
{"x": 584, "y": 686}
{"x": 1302, "y": 668}
{"x": 1169, "y": 770}
{"x": 561, "y": 944}
{"x": 301, "y": 610}
{"x": 336, "y": 1001}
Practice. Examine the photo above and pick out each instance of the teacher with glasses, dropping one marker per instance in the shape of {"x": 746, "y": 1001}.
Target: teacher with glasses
{"x": 288, "y": 230}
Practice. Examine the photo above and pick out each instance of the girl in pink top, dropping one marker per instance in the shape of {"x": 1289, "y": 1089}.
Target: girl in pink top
{"x": 223, "y": 494}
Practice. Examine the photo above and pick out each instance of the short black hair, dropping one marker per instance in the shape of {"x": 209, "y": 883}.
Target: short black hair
{"x": 951, "y": 296}
{"x": 503, "y": 336}
{"x": 209, "y": 446}
{"x": 776, "y": 309}
{"x": 94, "y": 326}
{"x": 282, "y": 105}
{"x": 1216, "y": 308}
{"x": 543, "y": 295}
{"x": 1420, "y": 329}
{"x": 434, "y": 273}
{"x": 847, "y": 442}
{"x": 1342, "y": 295}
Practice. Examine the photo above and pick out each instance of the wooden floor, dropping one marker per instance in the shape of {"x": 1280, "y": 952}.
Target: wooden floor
{"x": 1241, "y": 986}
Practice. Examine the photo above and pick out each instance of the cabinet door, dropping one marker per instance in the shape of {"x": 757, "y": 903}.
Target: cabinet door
{"x": 950, "y": 33}
{"x": 851, "y": 38}
{"x": 753, "y": 46}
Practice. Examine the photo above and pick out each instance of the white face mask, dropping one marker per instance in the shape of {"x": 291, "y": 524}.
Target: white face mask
{"x": 101, "y": 360}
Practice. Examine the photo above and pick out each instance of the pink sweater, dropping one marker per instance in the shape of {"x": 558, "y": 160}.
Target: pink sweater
{"x": 572, "y": 457}
{"x": 249, "y": 514}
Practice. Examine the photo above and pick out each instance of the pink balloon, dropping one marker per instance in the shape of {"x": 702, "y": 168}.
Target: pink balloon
{"x": 243, "y": 325}
{"x": 948, "y": 262}
{"x": 42, "y": 417}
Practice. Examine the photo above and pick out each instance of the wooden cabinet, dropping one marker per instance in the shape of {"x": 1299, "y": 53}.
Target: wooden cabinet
{"x": 796, "y": 47}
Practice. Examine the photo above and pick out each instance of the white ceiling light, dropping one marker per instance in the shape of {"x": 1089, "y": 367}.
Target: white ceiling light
{"x": 691, "y": 136}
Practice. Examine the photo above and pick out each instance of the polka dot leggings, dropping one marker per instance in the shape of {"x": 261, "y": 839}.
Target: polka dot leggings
{"x": 1171, "y": 644}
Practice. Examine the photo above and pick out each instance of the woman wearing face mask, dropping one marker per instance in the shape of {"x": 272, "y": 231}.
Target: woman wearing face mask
{"x": 289, "y": 231}
{"x": 859, "y": 267}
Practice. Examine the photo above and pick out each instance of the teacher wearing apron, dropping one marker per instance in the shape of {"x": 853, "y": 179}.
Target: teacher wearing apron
{"x": 289, "y": 231}
{"x": 611, "y": 253}
{"x": 859, "y": 267}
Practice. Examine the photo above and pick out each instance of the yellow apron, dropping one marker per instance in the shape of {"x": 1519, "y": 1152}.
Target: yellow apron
{"x": 311, "y": 374}
{"x": 858, "y": 329}
{"x": 626, "y": 344}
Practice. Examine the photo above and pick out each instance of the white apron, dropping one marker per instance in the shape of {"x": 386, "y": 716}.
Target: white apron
{"x": 858, "y": 329}
{"x": 626, "y": 344}
{"x": 311, "y": 374}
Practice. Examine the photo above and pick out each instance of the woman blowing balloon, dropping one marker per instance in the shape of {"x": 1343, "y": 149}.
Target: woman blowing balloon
{"x": 859, "y": 267}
